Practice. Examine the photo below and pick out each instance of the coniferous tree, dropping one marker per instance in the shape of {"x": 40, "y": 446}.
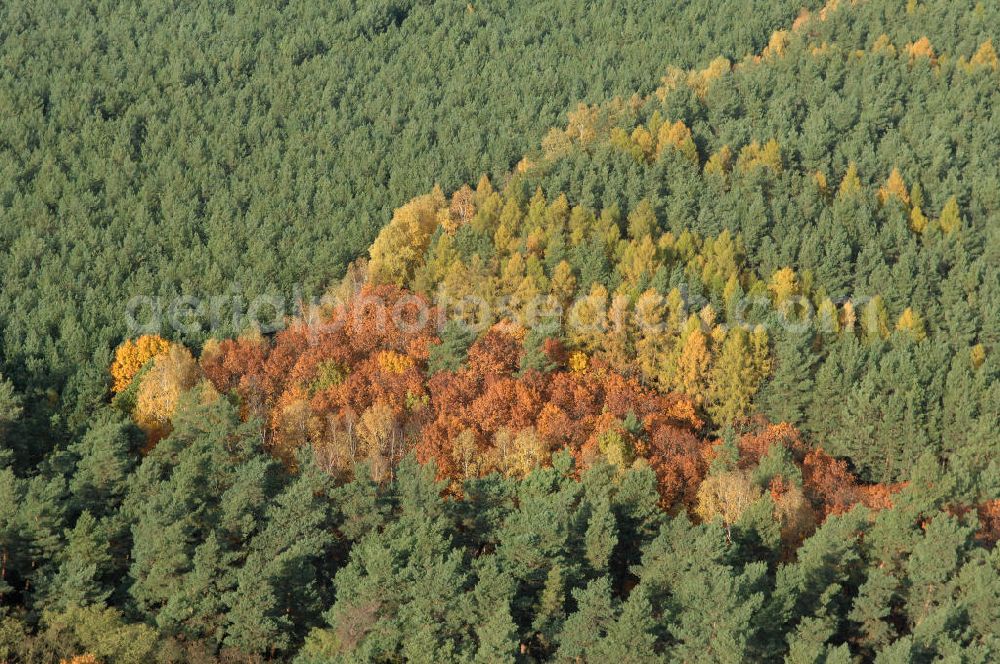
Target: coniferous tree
{"x": 450, "y": 354}
{"x": 786, "y": 396}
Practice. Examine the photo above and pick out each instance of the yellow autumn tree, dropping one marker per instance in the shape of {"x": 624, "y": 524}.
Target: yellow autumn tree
{"x": 584, "y": 124}
{"x": 638, "y": 260}
{"x": 643, "y": 145}
{"x": 512, "y": 273}
{"x": 894, "y": 187}
{"x": 616, "y": 447}
{"x": 557, "y": 215}
{"x": 641, "y": 220}
{"x": 776, "y": 45}
{"x": 484, "y": 189}
{"x": 828, "y": 9}
{"x": 784, "y": 284}
{"x": 588, "y": 320}
{"x": 884, "y": 45}
{"x": 754, "y": 156}
{"x": 874, "y": 320}
{"x": 848, "y": 317}
{"x": 581, "y": 220}
{"x": 921, "y": 48}
{"x": 461, "y": 210}
{"x": 802, "y": 20}
{"x": 770, "y": 156}
{"x": 677, "y": 136}
{"x": 441, "y": 258}
{"x": 173, "y": 373}
{"x": 691, "y": 376}
{"x": 733, "y": 380}
{"x": 515, "y": 454}
{"x": 827, "y": 318}
{"x": 607, "y": 228}
{"x": 525, "y": 299}
{"x": 556, "y": 143}
{"x": 722, "y": 257}
{"x": 401, "y": 245}
{"x": 465, "y": 453}
{"x": 132, "y": 355}
{"x": 292, "y": 425}
{"x": 676, "y": 312}
{"x": 985, "y": 56}
{"x": 720, "y": 162}
{"x": 534, "y": 268}
{"x": 392, "y": 362}
{"x": 701, "y": 80}
{"x": 950, "y": 219}
{"x": 380, "y": 438}
{"x": 820, "y": 179}
{"x": 563, "y": 283}
{"x": 505, "y": 236}
{"x": 577, "y": 362}
{"x": 918, "y": 222}
{"x": 822, "y": 49}
{"x": 652, "y": 343}
{"x": 707, "y": 315}
{"x": 793, "y": 512}
{"x": 617, "y": 347}
{"x": 977, "y": 355}
{"x": 760, "y": 352}
{"x": 650, "y": 311}
{"x": 727, "y": 495}
{"x": 911, "y": 323}
{"x": 851, "y": 184}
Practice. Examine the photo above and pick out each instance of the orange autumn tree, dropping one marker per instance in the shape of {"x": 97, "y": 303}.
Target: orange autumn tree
{"x": 826, "y": 482}
{"x": 316, "y": 380}
{"x": 352, "y": 385}
{"x": 519, "y": 420}
{"x": 132, "y": 355}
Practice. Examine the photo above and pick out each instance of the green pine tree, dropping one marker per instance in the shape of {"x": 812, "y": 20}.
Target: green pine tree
{"x": 786, "y": 396}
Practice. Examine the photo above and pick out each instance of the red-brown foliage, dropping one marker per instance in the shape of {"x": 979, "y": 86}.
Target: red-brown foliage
{"x": 989, "y": 522}
{"x": 338, "y": 365}
{"x": 568, "y": 410}
{"x": 355, "y": 386}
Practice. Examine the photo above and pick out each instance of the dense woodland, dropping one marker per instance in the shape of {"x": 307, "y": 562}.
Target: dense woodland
{"x": 251, "y": 149}
{"x": 735, "y": 396}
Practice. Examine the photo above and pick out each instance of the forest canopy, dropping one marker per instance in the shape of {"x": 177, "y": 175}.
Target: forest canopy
{"x": 641, "y": 333}
{"x": 235, "y": 150}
